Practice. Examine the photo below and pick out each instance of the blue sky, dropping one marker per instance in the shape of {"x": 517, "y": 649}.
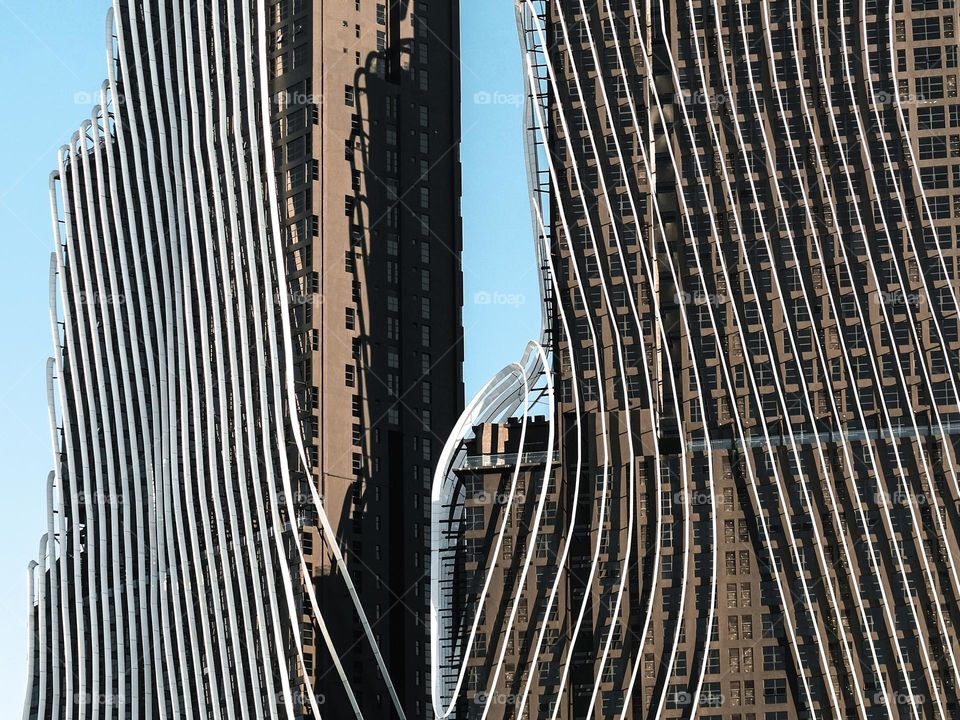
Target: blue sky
{"x": 51, "y": 65}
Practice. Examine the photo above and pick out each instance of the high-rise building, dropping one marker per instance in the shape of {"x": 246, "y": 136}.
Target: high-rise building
{"x": 255, "y": 308}
{"x": 366, "y": 134}
{"x": 747, "y": 481}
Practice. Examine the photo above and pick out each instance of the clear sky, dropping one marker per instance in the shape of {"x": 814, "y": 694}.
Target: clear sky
{"x": 52, "y": 62}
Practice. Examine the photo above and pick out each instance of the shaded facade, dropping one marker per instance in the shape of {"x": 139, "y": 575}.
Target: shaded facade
{"x": 255, "y": 303}
{"x": 747, "y": 226}
{"x": 505, "y": 485}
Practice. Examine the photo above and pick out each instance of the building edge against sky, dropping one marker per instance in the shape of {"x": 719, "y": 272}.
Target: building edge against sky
{"x": 723, "y": 484}
{"x": 238, "y": 518}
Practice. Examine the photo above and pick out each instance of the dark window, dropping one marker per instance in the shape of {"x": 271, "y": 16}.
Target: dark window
{"x": 773, "y": 658}
{"x": 934, "y": 178}
{"x": 926, "y": 28}
{"x": 933, "y": 148}
{"x": 927, "y": 58}
{"x": 931, "y": 118}
{"x": 775, "y": 691}
{"x": 930, "y": 88}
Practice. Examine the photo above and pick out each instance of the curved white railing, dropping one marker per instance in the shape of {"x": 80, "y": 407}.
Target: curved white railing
{"x": 173, "y": 378}
{"x": 171, "y": 571}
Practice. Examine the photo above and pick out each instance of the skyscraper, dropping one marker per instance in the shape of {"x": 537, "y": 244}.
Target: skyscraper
{"x": 747, "y": 481}
{"x": 254, "y": 294}
{"x": 367, "y": 122}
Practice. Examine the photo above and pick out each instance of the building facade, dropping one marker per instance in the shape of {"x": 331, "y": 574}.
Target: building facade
{"x": 255, "y": 310}
{"x": 367, "y": 123}
{"x": 746, "y": 215}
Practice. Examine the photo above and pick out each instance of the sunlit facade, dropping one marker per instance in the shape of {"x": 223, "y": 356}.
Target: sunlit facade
{"x": 255, "y": 311}
{"x": 746, "y": 219}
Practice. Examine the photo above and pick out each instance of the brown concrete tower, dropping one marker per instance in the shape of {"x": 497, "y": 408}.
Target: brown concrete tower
{"x": 367, "y": 112}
